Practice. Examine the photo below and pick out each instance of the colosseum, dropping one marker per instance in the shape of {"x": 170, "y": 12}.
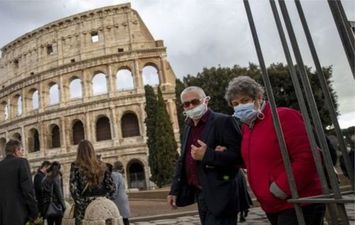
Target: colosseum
{"x": 83, "y": 77}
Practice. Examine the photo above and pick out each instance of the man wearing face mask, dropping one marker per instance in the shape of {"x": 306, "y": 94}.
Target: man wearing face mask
{"x": 203, "y": 174}
{"x": 262, "y": 158}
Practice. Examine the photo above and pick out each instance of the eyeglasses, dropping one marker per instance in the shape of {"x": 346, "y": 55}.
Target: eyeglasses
{"x": 193, "y": 102}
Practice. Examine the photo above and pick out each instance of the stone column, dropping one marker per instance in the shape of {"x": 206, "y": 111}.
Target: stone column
{"x": 111, "y": 83}
{"x": 62, "y": 94}
{"x": 86, "y": 83}
{"x": 42, "y": 97}
{"x": 42, "y": 139}
{"x": 114, "y": 127}
{"x": 24, "y": 102}
{"x": 65, "y": 144}
{"x": 138, "y": 75}
{"x": 162, "y": 71}
{"x": 88, "y": 130}
{"x": 24, "y": 140}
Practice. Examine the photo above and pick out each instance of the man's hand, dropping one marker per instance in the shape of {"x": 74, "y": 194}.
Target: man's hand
{"x": 220, "y": 148}
{"x": 198, "y": 153}
{"x": 172, "y": 201}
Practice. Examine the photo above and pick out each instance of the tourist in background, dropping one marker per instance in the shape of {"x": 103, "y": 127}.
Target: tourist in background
{"x": 120, "y": 196}
{"x": 17, "y": 198}
{"x": 262, "y": 156}
{"x": 89, "y": 178}
{"x": 41, "y": 173}
{"x": 52, "y": 186}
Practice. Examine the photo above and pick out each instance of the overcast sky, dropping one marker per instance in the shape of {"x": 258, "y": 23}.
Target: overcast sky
{"x": 206, "y": 33}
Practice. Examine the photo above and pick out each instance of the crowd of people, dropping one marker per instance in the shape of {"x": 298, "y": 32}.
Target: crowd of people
{"x": 216, "y": 151}
{"x": 22, "y": 200}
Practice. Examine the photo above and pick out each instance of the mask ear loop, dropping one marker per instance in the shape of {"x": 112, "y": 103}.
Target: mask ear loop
{"x": 207, "y": 98}
{"x": 260, "y": 114}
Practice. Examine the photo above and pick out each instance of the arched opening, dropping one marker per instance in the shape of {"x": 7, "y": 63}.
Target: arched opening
{"x": 75, "y": 88}
{"x": 2, "y": 147}
{"x": 78, "y": 132}
{"x": 4, "y": 111}
{"x": 103, "y": 130}
{"x": 135, "y": 175}
{"x": 55, "y": 136}
{"x": 54, "y": 94}
{"x": 33, "y": 141}
{"x": 99, "y": 84}
{"x": 19, "y": 105}
{"x": 35, "y": 99}
{"x": 150, "y": 76}
{"x": 129, "y": 125}
{"x": 17, "y": 136}
{"x": 124, "y": 80}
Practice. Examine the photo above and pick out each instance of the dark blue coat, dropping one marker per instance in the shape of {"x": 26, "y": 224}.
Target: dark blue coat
{"x": 217, "y": 170}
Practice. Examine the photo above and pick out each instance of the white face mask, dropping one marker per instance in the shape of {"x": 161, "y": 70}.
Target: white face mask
{"x": 197, "y": 112}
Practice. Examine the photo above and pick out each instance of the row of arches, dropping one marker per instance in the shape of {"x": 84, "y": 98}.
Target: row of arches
{"x": 99, "y": 85}
{"x": 135, "y": 169}
{"x": 103, "y": 131}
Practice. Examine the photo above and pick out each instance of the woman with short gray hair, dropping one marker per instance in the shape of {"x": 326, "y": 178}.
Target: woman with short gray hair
{"x": 261, "y": 154}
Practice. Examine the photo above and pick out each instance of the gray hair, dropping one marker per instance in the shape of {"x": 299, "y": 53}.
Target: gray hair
{"x": 243, "y": 85}
{"x": 195, "y": 89}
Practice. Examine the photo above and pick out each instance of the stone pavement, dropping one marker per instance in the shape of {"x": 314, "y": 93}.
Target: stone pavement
{"x": 255, "y": 217}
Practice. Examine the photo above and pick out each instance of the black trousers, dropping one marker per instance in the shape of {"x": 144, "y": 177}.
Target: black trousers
{"x": 313, "y": 215}
{"x": 207, "y": 218}
{"x": 54, "y": 220}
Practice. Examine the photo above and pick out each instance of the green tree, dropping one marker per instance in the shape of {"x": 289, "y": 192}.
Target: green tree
{"x": 165, "y": 145}
{"x": 150, "y": 121}
{"x": 179, "y": 109}
{"x": 215, "y": 80}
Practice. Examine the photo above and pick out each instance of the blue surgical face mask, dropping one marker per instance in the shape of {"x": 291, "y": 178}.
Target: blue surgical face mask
{"x": 246, "y": 112}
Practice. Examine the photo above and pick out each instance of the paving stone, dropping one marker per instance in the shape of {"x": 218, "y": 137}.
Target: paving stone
{"x": 256, "y": 216}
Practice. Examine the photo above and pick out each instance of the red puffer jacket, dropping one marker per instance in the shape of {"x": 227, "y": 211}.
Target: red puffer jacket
{"x": 262, "y": 158}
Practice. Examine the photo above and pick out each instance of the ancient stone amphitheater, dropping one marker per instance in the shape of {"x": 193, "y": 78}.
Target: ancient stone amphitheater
{"x": 83, "y": 77}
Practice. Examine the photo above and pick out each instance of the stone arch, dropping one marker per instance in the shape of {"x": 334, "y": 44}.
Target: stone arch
{"x": 53, "y": 94}
{"x": 103, "y": 128}
{"x": 33, "y": 99}
{"x": 75, "y": 87}
{"x": 78, "y": 132}
{"x": 150, "y": 74}
{"x": 2, "y": 147}
{"x": 4, "y": 111}
{"x": 129, "y": 125}
{"x": 99, "y": 84}
{"x": 135, "y": 174}
{"x": 17, "y": 136}
{"x": 54, "y": 137}
{"x": 33, "y": 140}
{"x": 124, "y": 79}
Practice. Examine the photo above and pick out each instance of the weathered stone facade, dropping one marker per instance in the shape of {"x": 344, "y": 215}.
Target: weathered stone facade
{"x": 65, "y": 57}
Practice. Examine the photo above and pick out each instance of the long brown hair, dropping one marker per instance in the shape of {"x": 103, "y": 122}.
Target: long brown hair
{"x": 88, "y": 164}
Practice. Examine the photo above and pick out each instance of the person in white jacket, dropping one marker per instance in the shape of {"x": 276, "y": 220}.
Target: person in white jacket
{"x": 120, "y": 196}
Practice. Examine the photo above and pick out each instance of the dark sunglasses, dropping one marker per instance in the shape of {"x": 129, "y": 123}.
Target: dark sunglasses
{"x": 193, "y": 102}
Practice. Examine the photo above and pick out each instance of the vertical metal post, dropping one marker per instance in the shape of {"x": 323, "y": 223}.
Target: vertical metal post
{"x": 344, "y": 31}
{"x": 275, "y": 117}
{"x": 313, "y": 108}
{"x": 301, "y": 103}
{"x": 327, "y": 96}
